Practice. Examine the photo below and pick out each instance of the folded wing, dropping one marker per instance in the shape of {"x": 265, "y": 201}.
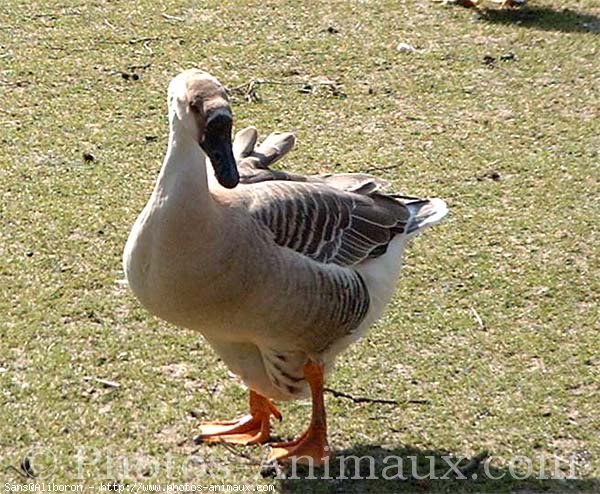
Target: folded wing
{"x": 330, "y": 225}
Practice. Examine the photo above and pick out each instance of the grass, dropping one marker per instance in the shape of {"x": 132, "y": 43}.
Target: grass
{"x": 510, "y": 142}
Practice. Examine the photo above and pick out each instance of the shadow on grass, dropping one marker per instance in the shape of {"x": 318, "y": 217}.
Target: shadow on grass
{"x": 544, "y": 18}
{"x": 408, "y": 469}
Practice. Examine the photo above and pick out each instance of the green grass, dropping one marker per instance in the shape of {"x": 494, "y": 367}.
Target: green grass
{"x": 511, "y": 145}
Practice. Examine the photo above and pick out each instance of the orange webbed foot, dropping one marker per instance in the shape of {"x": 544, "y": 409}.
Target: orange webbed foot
{"x": 311, "y": 447}
{"x": 253, "y": 428}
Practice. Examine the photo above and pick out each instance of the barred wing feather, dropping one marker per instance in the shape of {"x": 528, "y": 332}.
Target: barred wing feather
{"x": 327, "y": 224}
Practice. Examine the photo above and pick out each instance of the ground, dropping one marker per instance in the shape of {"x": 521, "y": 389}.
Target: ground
{"x": 492, "y": 342}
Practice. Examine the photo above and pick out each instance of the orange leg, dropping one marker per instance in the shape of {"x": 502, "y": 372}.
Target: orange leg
{"x": 250, "y": 429}
{"x": 311, "y": 446}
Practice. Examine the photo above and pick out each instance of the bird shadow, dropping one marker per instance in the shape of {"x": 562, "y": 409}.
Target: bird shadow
{"x": 544, "y": 18}
{"x": 372, "y": 468}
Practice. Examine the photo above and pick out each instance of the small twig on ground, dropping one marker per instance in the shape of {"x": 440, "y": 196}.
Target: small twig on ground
{"x": 134, "y": 41}
{"x": 241, "y": 454}
{"x": 228, "y": 447}
{"x": 108, "y": 384}
{"x": 173, "y": 18}
{"x": 478, "y": 318}
{"x": 383, "y": 168}
{"x": 248, "y": 89}
{"x": 473, "y": 463}
{"x": 53, "y": 16}
{"x": 43, "y": 16}
{"x": 18, "y": 471}
{"x": 183, "y": 442}
{"x": 141, "y": 67}
{"x": 142, "y": 40}
{"x": 364, "y": 399}
{"x": 272, "y": 83}
{"x": 64, "y": 48}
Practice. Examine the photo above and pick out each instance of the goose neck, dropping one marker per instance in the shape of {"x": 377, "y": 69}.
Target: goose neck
{"x": 184, "y": 168}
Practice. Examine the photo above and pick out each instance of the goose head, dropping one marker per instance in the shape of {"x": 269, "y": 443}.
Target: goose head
{"x": 199, "y": 108}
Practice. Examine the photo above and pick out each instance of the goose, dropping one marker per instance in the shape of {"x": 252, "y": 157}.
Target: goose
{"x": 278, "y": 275}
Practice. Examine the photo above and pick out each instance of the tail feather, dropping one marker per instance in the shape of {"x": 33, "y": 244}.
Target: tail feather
{"x": 274, "y": 147}
{"x": 425, "y": 213}
{"x": 252, "y": 157}
{"x": 244, "y": 142}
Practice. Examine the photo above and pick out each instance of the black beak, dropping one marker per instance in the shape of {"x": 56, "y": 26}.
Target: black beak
{"x": 217, "y": 146}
